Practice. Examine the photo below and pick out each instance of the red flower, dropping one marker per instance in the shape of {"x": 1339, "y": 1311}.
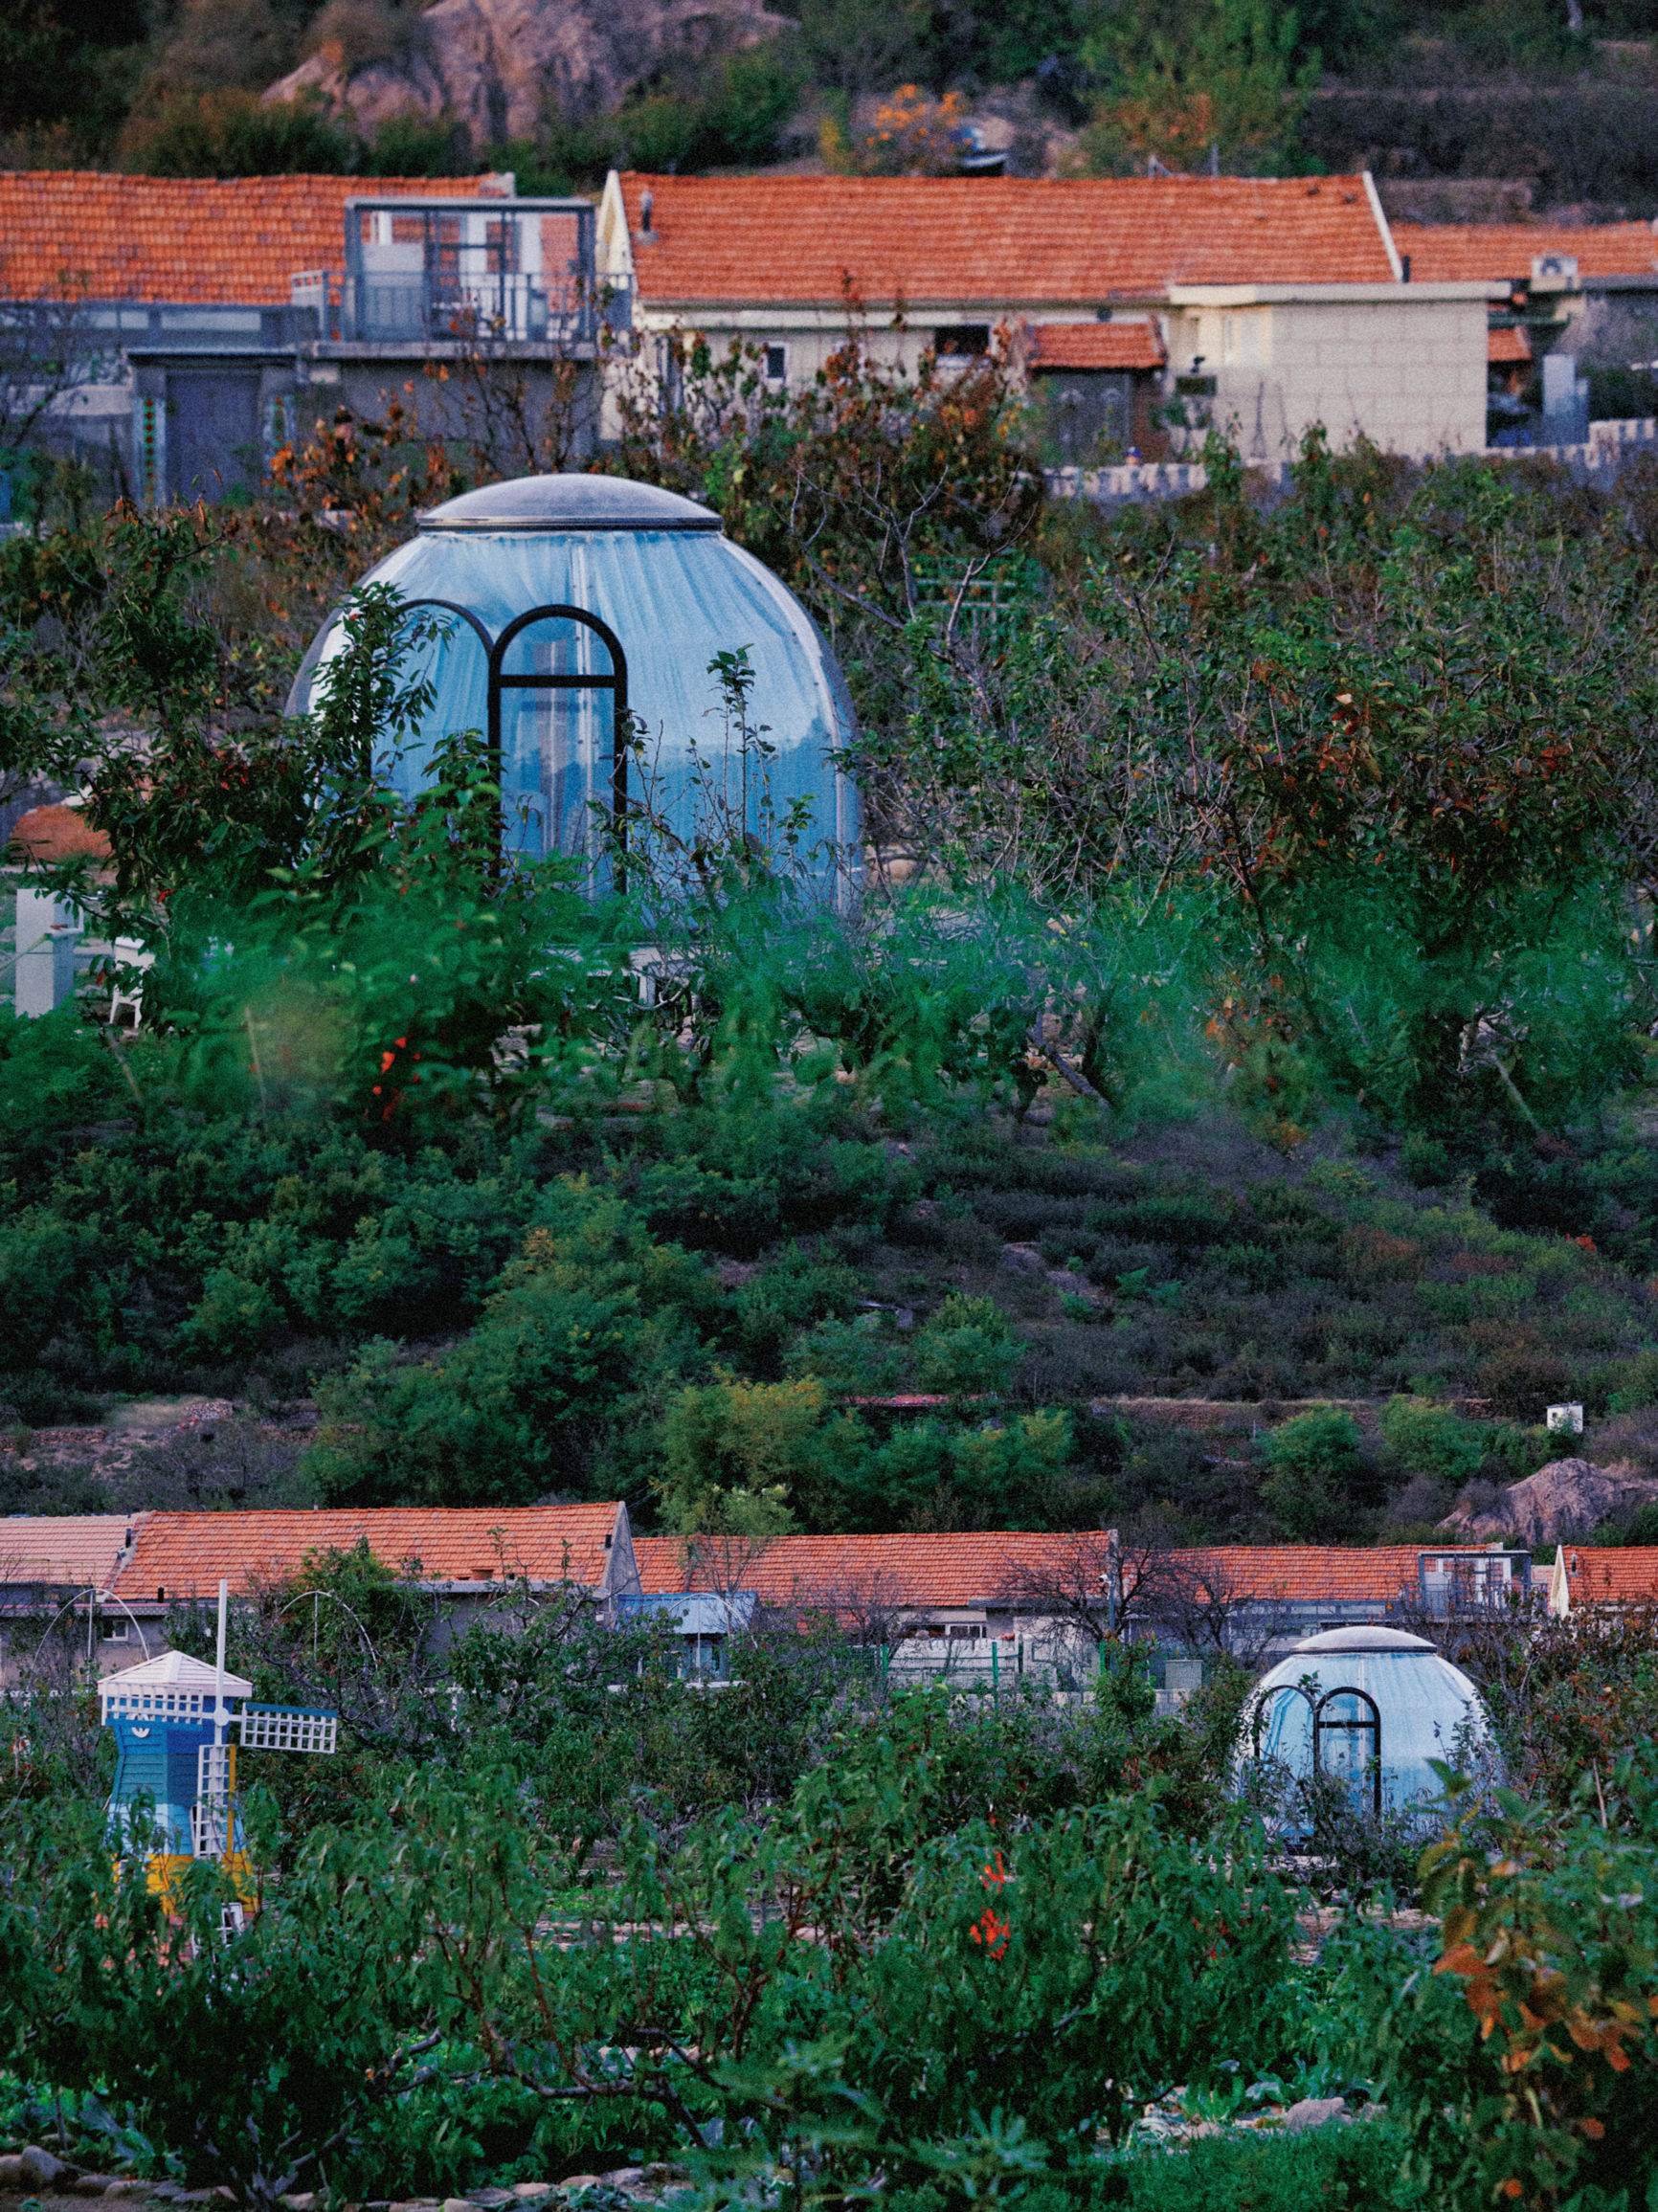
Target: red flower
{"x": 991, "y": 1931}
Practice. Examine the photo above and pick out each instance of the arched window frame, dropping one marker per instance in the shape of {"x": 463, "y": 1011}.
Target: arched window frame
{"x": 496, "y": 650}
{"x": 1371, "y": 1726}
{"x": 1264, "y": 1703}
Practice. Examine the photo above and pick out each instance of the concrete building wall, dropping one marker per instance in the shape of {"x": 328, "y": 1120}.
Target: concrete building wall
{"x": 1405, "y": 369}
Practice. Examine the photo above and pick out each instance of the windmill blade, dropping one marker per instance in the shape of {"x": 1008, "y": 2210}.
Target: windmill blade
{"x": 210, "y": 1815}
{"x": 288, "y": 1727}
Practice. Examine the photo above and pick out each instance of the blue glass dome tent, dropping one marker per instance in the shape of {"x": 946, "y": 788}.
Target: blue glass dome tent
{"x": 578, "y": 602}
{"x": 1369, "y": 1708}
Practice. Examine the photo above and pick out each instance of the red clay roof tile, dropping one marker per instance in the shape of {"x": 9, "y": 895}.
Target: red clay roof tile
{"x": 185, "y": 1555}
{"x": 1508, "y": 348}
{"x": 948, "y": 1570}
{"x": 58, "y": 833}
{"x": 993, "y": 241}
{"x": 1307, "y": 1574}
{"x": 1455, "y": 253}
{"x": 71, "y": 1549}
{"x": 1627, "y": 1575}
{"x": 68, "y": 233}
{"x": 1097, "y": 345}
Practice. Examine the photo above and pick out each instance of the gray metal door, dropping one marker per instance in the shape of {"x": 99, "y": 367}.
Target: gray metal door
{"x": 213, "y": 431}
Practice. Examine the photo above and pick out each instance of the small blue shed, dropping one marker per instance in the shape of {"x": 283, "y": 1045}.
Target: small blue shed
{"x": 705, "y": 1622}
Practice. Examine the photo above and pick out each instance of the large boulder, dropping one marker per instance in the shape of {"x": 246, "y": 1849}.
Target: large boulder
{"x": 1565, "y": 1499}
{"x": 499, "y": 66}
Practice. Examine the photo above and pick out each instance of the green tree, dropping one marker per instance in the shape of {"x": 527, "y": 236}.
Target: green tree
{"x": 232, "y": 133}
{"x": 1227, "y": 80}
{"x": 966, "y": 1348}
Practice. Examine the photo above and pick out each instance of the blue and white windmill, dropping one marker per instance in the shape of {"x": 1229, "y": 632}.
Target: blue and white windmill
{"x": 175, "y": 1750}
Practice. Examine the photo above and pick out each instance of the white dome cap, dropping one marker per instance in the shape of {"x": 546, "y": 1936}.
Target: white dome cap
{"x": 1365, "y": 1637}
{"x": 569, "y": 503}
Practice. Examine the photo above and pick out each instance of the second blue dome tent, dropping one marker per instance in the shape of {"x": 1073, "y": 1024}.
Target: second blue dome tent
{"x": 582, "y": 608}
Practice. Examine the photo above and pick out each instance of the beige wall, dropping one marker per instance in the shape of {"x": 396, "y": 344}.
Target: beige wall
{"x": 1409, "y": 374}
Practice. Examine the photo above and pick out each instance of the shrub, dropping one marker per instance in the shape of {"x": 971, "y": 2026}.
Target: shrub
{"x": 966, "y": 1348}
{"x": 1317, "y": 2171}
{"x": 592, "y": 1315}
{"x": 726, "y": 1439}
{"x": 1306, "y": 1508}
{"x": 1523, "y": 2064}
{"x": 850, "y": 1359}
{"x": 790, "y": 1294}
{"x": 1523, "y": 1381}
{"x": 1425, "y": 1161}
{"x": 236, "y": 134}
{"x": 1430, "y": 1440}
{"x": 54, "y": 1073}
{"x": 1637, "y": 1384}
{"x": 1323, "y": 1442}
{"x": 1315, "y": 1460}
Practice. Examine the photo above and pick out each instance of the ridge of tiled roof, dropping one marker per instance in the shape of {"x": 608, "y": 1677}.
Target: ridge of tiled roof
{"x": 993, "y": 241}
{"x": 70, "y": 1549}
{"x": 185, "y": 1555}
{"x": 1097, "y": 345}
{"x": 204, "y": 241}
{"x": 1491, "y": 253}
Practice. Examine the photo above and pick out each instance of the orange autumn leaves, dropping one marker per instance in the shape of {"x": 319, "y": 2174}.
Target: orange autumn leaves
{"x": 1558, "y": 1975}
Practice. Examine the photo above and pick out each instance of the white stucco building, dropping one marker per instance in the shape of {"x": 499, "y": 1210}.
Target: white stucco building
{"x": 1271, "y": 302}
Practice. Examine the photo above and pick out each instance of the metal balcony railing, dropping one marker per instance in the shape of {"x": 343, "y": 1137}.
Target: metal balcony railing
{"x": 466, "y": 272}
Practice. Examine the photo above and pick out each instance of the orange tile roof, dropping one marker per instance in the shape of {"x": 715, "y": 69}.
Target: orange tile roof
{"x": 69, "y": 1549}
{"x": 1491, "y": 253}
{"x": 993, "y": 242}
{"x": 910, "y": 1571}
{"x": 58, "y": 833}
{"x": 185, "y": 1555}
{"x": 1097, "y": 345}
{"x": 1508, "y": 348}
{"x": 193, "y": 240}
{"x": 1307, "y": 1574}
{"x": 970, "y": 1569}
{"x": 1627, "y": 1575}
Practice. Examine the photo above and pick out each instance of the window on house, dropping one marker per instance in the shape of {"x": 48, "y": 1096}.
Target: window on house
{"x": 1242, "y": 337}
{"x": 776, "y": 364}
{"x": 962, "y": 341}
{"x": 118, "y": 1631}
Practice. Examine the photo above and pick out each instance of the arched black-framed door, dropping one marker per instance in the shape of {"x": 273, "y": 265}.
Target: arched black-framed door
{"x": 558, "y": 730}
{"x": 1346, "y": 1742}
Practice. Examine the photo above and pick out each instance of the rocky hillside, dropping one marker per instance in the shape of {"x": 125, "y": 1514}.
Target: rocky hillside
{"x": 499, "y": 66}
